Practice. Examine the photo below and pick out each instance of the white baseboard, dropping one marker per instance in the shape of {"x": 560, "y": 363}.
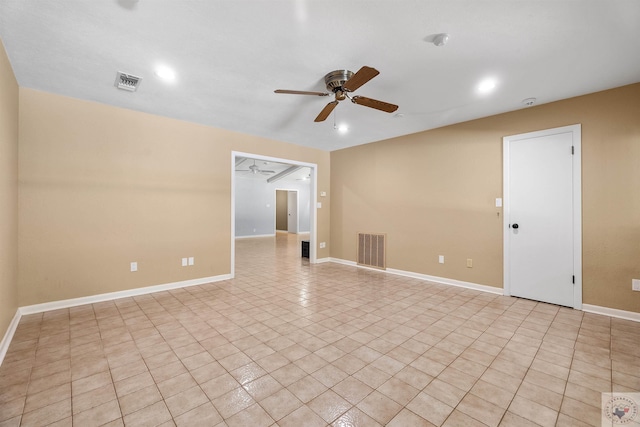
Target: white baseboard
{"x": 426, "y": 277}
{"x": 322, "y": 260}
{"x": 345, "y": 262}
{"x": 56, "y": 305}
{"x": 446, "y": 281}
{"x": 612, "y": 312}
{"x": 606, "y": 311}
{"x": 255, "y": 235}
{"x": 8, "y": 336}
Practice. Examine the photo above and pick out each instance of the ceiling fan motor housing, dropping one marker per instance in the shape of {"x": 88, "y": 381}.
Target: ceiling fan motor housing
{"x": 336, "y": 79}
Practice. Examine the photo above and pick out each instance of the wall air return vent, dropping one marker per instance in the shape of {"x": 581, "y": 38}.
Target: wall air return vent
{"x": 126, "y": 81}
{"x": 372, "y": 250}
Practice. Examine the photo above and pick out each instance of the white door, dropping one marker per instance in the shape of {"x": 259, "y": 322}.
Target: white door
{"x": 543, "y": 216}
{"x": 292, "y": 208}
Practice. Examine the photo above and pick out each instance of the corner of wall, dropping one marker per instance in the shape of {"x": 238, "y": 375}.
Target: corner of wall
{"x": 8, "y": 336}
{"x": 9, "y": 106}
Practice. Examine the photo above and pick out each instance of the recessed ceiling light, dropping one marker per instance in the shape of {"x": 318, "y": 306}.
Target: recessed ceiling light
{"x": 165, "y": 73}
{"x": 487, "y": 85}
{"x": 342, "y": 128}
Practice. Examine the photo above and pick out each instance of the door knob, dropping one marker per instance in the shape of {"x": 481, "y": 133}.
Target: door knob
{"x": 515, "y": 226}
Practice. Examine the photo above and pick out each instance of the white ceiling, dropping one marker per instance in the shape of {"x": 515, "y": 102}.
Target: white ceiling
{"x": 230, "y": 55}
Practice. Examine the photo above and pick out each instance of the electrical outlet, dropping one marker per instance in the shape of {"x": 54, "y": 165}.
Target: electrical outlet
{"x": 323, "y": 245}
{"x": 469, "y": 262}
{"x": 635, "y": 284}
{"x": 184, "y": 262}
{"x": 191, "y": 260}
{"x": 441, "y": 259}
{"x": 134, "y": 266}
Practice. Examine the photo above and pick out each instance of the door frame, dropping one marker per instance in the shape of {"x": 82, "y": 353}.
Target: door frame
{"x": 313, "y": 216}
{"x": 577, "y": 204}
{"x": 288, "y": 190}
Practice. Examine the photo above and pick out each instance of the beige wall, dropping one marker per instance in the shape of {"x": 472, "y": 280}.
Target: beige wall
{"x": 101, "y": 187}
{"x": 8, "y": 193}
{"x": 434, "y": 192}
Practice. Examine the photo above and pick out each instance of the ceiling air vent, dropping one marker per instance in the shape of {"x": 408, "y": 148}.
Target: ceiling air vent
{"x": 127, "y": 81}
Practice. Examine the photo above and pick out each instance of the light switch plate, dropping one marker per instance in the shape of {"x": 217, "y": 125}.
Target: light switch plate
{"x": 635, "y": 284}
{"x": 184, "y": 262}
{"x": 441, "y": 259}
{"x": 499, "y": 202}
{"x": 319, "y": 205}
{"x": 191, "y": 260}
{"x": 134, "y": 266}
{"x": 323, "y": 194}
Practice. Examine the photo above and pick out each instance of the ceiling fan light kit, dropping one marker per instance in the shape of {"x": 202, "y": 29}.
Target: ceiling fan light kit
{"x": 341, "y": 83}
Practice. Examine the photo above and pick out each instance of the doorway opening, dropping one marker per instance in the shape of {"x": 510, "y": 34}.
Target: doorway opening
{"x": 290, "y": 217}
{"x": 302, "y": 219}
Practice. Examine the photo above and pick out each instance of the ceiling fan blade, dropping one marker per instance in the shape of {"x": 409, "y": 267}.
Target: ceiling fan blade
{"x": 300, "y": 92}
{"x": 374, "y": 103}
{"x": 262, "y": 171}
{"x": 326, "y": 111}
{"x": 363, "y": 75}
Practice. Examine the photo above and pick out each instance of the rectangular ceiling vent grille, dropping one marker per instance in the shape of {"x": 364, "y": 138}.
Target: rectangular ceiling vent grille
{"x": 372, "y": 250}
{"x": 126, "y": 81}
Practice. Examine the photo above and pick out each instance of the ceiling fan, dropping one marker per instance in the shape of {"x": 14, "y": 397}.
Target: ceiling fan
{"x": 255, "y": 169}
{"x": 341, "y": 83}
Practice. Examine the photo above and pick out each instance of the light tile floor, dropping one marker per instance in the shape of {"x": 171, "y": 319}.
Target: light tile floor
{"x": 292, "y": 344}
